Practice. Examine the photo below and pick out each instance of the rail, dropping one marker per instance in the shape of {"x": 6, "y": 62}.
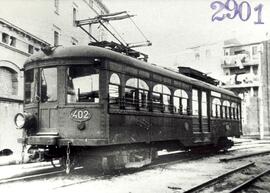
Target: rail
{"x": 216, "y": 179}
{"x": 248, "y": 182}
{"x": 243, "y": 156}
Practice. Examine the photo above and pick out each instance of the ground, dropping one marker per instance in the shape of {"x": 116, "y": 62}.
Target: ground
{"x": 171, "y": 178}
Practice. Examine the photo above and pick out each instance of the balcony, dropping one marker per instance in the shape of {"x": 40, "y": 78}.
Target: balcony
{"x": 240, "y": 61}
{"x": 241, "y": 81}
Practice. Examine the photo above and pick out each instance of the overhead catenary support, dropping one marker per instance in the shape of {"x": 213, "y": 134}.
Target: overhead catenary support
{"x": 88, "y": 33}
{"x": 122, "y": 46}
{"x": 112, "y": 34}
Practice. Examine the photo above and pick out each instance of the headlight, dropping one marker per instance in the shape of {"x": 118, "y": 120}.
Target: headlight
{"x": 25, "y": 120}
{"x": 19, "y": 120}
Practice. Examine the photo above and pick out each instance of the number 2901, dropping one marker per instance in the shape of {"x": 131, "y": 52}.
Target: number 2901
{"x": 233, "y": 9}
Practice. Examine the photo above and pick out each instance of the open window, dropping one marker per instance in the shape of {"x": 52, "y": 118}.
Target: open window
{"x": 161, "y": 98}
{"x": 114, "y": 90}
{"x": 226, "y": 109}
{"x": 216, "y": 105}
{"x": 180, "y": 101}
{"x": 195, "y": 102}
{"x": 234, "y": 111}
{"x": 136, "y": 94}
{"x": 82, "y": 84}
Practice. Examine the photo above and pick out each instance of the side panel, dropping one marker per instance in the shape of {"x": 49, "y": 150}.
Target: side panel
{"x": 132, "y": 128}
{"x": 59, "y": 120}
{"x": 225, "y": 128}
{"x": 126, "y": 128}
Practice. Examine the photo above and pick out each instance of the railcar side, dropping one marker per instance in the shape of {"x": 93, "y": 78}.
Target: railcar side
{"x": 94, "y": 102}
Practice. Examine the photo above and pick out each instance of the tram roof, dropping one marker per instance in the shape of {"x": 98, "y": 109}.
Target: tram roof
{"x": 98, "y": 52}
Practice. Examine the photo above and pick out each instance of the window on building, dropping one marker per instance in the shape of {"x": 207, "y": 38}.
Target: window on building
{"x": 136, "y": 94}
{"x": 8, "y": 81}
{"x": 161, "y": 98}
{"x": 216, "y": 105}
{"x": 30, "y": 49}
{"x": 114, "y": 90}
{"x": 56, "y": 38}
{"x": 5, "y": 38}
{"x": 56, "y": 6}
{"x": 254, "y": 50}
{"x": 74, "y": 16}
{"x": 208, "y": 53}
{"x": 12, "y": 41}
{"x": 48, "y": 85}
{"x": 180, "y": 101}
{"x": 197, "y": 56}
{"x": 82, "y": 84}
{"x": 195, "y": 102}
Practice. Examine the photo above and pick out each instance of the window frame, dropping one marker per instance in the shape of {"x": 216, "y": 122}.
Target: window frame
{"x": 114, "y": 101}
{"x": 181, "y": 109}
{"x": 137, "y": 103}
{"x": 161, "y": 106}
{"x": 66, "y": 86}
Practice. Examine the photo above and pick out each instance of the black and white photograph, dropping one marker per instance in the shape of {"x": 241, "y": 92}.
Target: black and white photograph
{"x": 135, "y": 96}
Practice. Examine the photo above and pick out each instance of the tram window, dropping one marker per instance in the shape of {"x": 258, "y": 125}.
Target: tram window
{"x": 225, "y": 109}
{"x": 136, "y": 94}
{"x": 233, "y": 111}
{"x": 161, "y": 98}
{"x": 48, "y": 85}
{"x": 180, "y": 99}
{"x": 30, "y": 87}
{"x": 238, "y": 112}
{"x": 82, "y": 84}
{"x": 195, "y": 103}
{"x": 216, "y": 107}
{"x": 114, "y": 86}
{"x": 204, "y": 104}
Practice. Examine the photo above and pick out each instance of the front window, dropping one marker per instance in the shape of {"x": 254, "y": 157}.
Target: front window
{"x": 82, "y": 84}
{"x": 48, "y": 85}
{"x": 30, "y": 87}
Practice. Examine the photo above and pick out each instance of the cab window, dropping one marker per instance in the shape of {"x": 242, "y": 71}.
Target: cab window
{"x": 114, "y": 89}
{"x": 48, "y": 85}
{"x": 30, "y": 86}
{"x": 82, "y": 84}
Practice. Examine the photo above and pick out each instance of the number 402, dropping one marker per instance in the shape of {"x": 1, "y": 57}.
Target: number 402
{"x": 234, "y": 9}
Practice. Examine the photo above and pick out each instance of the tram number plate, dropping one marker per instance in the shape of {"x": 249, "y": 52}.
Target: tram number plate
{"x": 80, "y": 115}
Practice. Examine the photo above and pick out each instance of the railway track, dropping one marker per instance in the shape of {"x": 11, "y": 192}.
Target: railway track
{"x": 244, "y": 156}
{"x": 162, "y": 161}
{"x": 230, "y": 183}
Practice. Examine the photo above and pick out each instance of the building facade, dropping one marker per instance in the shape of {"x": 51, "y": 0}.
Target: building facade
{"x": 205, "y": 58}
{"x": 53, "y": 23}
{"x": 15, "y": 46}
{"x": 242, "y": 68}
{"x": 242, "y": 65}
{"x": 54, "y": 20}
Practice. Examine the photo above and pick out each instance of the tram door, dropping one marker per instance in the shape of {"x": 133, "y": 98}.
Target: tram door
{"x": 200, "y": 112}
